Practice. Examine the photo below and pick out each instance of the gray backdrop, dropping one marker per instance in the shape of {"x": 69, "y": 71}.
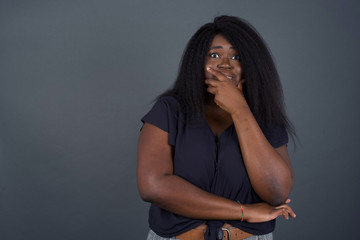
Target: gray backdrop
{"x": 77, "y": 76}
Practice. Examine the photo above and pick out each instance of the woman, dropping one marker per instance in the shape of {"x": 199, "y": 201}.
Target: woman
{"x": 212, "y": 156}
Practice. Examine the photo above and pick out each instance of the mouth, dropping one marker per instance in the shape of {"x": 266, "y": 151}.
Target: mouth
{"x": 229, "y": 76}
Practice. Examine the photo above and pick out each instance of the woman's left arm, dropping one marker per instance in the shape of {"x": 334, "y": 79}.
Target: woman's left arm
{"x": 269, "y": 169}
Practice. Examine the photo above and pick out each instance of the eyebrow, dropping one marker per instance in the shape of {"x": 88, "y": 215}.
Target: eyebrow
{"x": 216, "y": 47}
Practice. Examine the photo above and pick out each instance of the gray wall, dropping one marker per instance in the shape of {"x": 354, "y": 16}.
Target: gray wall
{"x": 76, "y": 77}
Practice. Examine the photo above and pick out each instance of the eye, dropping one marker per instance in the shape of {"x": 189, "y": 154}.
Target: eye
{"x": 214, "y": 55}
{"x": 236, "y": 57}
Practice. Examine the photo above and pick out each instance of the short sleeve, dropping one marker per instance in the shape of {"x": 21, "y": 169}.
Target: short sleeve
{"x": 277, "y": 136}
{"x": 164, "y": 116}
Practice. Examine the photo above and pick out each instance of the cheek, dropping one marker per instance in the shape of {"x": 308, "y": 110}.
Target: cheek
{"x": 209, "y": 64}
{"x": 239, "y": 71}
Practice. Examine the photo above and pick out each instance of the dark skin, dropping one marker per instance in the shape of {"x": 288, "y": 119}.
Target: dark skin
{"x": 269, "y": 169}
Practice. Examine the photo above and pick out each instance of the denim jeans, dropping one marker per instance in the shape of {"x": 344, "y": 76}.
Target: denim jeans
{"x": 154, "y": 236}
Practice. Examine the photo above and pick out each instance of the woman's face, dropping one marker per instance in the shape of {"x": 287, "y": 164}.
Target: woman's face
{"x": 223, "y": 57}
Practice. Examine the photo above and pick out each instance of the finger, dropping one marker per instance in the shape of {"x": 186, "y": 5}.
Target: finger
{"x": 217, "y": 74}
{"x": 211, "y": 82}
{"x": 288, "y": 201}
{"x": 279, "y": 212}
{"x": 288, "y": 209}
{"x": 285, "y": 214}
{"x": 291, "y": 212}
{"x": 211, "y": 90}
{"x": 281, "y": 206}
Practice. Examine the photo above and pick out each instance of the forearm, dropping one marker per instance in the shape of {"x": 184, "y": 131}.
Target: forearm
{"x": 181, "y": 197}
{"x": 270, "y": 175}
{"x": 177, "y": 195}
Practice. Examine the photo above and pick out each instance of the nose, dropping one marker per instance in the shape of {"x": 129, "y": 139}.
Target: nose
{"x": 224, "y": 63}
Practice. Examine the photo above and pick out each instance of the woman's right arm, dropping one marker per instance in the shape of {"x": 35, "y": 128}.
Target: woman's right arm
{"x": 157, "y": 184}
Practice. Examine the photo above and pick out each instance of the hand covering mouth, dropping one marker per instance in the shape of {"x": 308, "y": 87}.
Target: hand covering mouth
{"x": 229, "y": 76}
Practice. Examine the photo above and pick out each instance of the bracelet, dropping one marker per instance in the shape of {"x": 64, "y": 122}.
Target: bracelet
{"x": 242, "y": 210}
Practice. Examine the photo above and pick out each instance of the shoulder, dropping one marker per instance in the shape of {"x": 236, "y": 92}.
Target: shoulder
{"x": 165, "y": 115}
{"x": 169, "y": 104}
{"x": 169, "y": 100}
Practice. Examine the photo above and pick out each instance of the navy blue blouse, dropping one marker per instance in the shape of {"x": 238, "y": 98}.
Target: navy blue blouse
{"x": 214, "y": 165}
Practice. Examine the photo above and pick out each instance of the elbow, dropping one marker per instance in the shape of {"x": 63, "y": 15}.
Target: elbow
{"x": 145, "y": 194}
{"x": 148, "y": 189}
{"x": 278, "y": 196}
{"x": 277, "y": 200}
{"x": 280, "y": 193}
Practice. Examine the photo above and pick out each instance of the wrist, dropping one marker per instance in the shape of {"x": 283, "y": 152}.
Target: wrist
{"x": 245, "y": 209}
{"x": 241, "y": 108}
{"x": 241, "y": 211}
{"x": 242, "y": 111}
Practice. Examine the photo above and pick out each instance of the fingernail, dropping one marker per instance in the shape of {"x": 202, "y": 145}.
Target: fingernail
{"x": 208, "y": 68}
